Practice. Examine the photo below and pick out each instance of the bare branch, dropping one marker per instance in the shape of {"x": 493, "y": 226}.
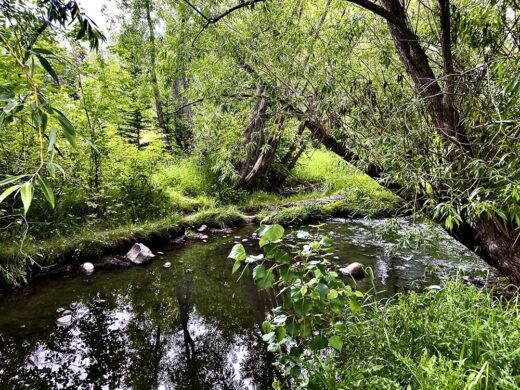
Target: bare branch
{"x": 214, "y": 19}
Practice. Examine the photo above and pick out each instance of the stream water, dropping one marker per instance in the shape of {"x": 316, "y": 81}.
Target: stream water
{"x": 191, "y": 326}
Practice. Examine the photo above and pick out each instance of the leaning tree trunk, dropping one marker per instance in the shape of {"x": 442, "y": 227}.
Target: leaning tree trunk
{"x": 254, "y": 137}
{"x": 495, "y": 242}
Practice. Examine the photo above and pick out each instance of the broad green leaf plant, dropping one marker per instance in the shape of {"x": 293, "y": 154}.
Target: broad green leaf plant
{"x": 309, "y": 322}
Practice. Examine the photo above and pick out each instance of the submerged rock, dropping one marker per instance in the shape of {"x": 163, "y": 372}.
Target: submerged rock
{"x": 222, "y": 231}
{"x": 140, "y": 254}
{"x": 34, "y": 360}
{"x": 178, "y": 240}
{"x": 65, "y": 320}
{"x": 116, "y": 262}
{"x": 88, "y": 268}
{"x": 167, "y": 264}
{"x": 354, "y": 269}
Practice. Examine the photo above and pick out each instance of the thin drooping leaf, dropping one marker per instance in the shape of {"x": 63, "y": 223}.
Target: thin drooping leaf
{"x": 11, "y": 179}
{"x": 82, "y": 30}
{"x": 48, "y": 67}
{"x": 47, "y": 190}
{"x": 40, "y": 50}
{"x": 26, "y": 192}
{"x": 52, "y": 139}
{"x": 8, "y": 192}
{"x": 68, "y": 129}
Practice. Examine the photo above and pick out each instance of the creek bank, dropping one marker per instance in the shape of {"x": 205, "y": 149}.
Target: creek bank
{"x": 60, "y": 256}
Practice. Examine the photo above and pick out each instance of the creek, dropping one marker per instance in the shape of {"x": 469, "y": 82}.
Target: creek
{"x": 191, "y": 326}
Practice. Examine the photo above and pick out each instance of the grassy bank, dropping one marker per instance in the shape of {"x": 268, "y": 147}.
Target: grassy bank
{"x": 327, "y": 187}
{"x": 457, "y": 338}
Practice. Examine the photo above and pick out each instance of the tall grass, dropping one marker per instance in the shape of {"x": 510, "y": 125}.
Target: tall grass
{"x": 457, "y": 338}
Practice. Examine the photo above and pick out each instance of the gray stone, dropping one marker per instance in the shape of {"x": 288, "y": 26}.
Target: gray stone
{"x": 202, "y": 228}
{"x": 160, "y": 253}
{"x": 65, "y": 320}
{"x": 140, "y": 254}
{"x": 167, "y": 264}
{"x": 354, "y": 269}
{"x": 435, "y": 287}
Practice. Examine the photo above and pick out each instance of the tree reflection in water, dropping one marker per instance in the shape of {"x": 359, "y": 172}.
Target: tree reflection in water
{"x": 147, "y": 328}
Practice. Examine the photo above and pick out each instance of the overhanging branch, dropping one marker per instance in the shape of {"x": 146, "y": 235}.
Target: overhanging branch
{"x": 214, "y": 19}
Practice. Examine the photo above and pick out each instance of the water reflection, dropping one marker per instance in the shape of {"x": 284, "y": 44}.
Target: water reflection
{"x": 142, "y": 328}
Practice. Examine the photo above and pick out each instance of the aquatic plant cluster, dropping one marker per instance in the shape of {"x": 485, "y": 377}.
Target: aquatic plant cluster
{"x": 327, "y": 335}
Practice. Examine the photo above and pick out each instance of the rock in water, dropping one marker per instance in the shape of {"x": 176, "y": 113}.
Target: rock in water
{"x": 88, "y": 267}
{"x": 34, "y": 360}
{"x": 139, "y": 254}
{"x": 353, "y": 269}
{"x": 167, "y": 264}
{"x": 65, "y": 320}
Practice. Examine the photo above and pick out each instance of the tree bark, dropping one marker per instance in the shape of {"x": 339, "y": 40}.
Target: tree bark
{"x": 254, "y": 134}
{"x": 444, "y": 117}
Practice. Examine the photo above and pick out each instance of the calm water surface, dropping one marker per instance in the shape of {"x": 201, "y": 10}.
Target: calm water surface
{"x": 191, "y": 326}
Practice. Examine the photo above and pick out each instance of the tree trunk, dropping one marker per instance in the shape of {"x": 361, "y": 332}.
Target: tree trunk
{"x": 486, "y": 238}
{"x": 153, "y": 74}
{"x": 254, "y": 134}
{"x": 445, "y": 117}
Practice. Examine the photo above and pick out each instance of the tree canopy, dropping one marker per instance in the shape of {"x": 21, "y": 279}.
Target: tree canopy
{"x": 423, "y": 96}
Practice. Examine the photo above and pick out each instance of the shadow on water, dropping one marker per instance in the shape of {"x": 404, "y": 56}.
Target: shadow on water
{"x": 191, "y": 326}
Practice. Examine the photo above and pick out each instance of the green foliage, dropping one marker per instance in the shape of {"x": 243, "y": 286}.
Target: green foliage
{"x": 325, "y": 335}
{"x": 458, "y": 338}
{"x": 310, "y": 319}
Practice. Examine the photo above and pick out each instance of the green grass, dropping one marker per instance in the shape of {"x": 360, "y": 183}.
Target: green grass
{"x": 329, "y": 172}
{"x": 458, "y": 338}
{"x": 189, "y": 189}
{"x": 358, "y": 202}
